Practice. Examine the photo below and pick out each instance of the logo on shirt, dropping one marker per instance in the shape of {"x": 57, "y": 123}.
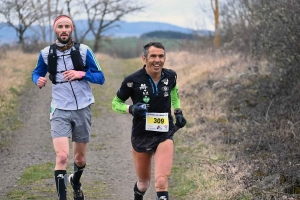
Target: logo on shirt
{"x": 129, "y": 84}
{"x": 165, "y": 88}
{"x": 146, "y": 99}
{"x": 143, "y": 87}
{"x": 145, "y": 93}
{"x": 165, "y": 81}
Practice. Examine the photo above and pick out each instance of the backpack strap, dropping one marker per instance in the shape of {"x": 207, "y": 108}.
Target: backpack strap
{"x": 52, "y": 63}
{"x": 76, "y": 57}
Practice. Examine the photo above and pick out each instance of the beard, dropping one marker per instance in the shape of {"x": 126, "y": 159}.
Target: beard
{"x": 65, "y": 41}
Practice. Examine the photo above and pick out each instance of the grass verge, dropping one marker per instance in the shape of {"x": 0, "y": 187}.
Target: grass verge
{"x": 36, "y": 182}
{"x": 16, "y": 70}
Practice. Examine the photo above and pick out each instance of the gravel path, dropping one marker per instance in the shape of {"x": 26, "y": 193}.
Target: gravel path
{"x": 109, "y": 154}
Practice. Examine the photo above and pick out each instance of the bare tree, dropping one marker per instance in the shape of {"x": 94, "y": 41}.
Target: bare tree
{"x": 20, "y": 15}
{"x": 43, "y": 21}
{"x": 51, "y": 9}
{"x": 102, "y": 15}
{"x": 49, "y": 18}
{"x": 215, "y": 9}
{"x": 54, "y": 8}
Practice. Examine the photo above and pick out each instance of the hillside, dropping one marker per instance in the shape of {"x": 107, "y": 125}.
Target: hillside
{"x": 241, "y": 141}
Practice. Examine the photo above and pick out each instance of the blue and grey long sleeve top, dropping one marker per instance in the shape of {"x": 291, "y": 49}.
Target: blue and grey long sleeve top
{"x": 76, "y": 94}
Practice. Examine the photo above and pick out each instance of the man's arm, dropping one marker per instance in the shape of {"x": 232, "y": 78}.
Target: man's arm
{"x": 40, "y": 69}
{"x": 119, "y": 105}
{"x": 175, "y": 98}
{"x": 94, "y": 72}
{"x": 180, "y": 120}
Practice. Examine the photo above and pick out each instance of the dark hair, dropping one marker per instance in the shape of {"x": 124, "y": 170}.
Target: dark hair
{"x": 150, "y": 44}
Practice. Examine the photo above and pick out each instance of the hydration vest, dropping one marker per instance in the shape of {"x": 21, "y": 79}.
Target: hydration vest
{"x": 52, "y": 62}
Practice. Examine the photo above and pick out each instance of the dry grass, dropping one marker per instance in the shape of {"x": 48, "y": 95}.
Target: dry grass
{"x": 15, "y": 68}
{"x": 241, "y": 140}
{"x": 202, "y": 147}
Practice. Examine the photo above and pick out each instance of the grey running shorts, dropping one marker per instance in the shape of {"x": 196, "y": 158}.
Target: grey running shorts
{"x": 72, "y": 123}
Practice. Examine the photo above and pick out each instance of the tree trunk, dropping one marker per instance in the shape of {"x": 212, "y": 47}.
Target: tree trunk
{"x": 97, "y": 44}
{"x": 216, "y": 16}
{"x": 21, "y": 39}
{"x": 49, "y": 20}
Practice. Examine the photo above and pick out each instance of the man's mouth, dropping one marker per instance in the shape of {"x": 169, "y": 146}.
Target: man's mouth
{"x": 156, "y": 65}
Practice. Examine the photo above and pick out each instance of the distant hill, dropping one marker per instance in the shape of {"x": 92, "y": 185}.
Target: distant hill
{"x": 168, "y": 34}
{"x": 121, "y": 29}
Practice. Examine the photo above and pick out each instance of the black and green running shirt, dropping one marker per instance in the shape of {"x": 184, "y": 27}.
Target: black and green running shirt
{"x": 158, "y": 97}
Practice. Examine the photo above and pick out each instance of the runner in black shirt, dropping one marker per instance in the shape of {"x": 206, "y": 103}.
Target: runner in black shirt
{"x": 152, "y": 90}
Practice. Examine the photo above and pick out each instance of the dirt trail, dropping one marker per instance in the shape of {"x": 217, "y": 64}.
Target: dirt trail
{"x": 109, "y": 154}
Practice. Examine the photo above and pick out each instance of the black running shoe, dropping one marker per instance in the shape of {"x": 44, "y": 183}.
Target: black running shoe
{"x": 77, "y": 192}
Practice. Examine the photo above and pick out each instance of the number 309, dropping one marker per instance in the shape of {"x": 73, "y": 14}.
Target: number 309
{"x": 158, "y": 120}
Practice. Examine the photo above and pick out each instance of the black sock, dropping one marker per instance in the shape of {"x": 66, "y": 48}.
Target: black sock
{"x": 61, "y": 183}
{"x": 77, "y": 173}
{"x": 138, "y": 195}
{"x": 162, "y": 195}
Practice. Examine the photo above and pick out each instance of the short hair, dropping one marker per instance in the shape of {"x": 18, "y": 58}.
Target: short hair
{"x": 150, "y": 44}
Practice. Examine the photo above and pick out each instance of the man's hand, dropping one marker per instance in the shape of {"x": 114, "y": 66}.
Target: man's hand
{"x": 180, "y": 120}
{"x": 72, "y": 75}
{"x": 136, "y": 110}
{"x": 41, "y": 82}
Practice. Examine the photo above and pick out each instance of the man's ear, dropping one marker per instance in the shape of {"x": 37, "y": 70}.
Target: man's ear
{"x": 144, "y": 59}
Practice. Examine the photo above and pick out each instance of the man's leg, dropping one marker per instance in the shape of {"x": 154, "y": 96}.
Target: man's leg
{"x": 79, "y": 150}
{"x": 142, "y": 163}
{"x": 163, "y": 160}
{"x": 81, "y": 121}
{"x": 61, "y": 147}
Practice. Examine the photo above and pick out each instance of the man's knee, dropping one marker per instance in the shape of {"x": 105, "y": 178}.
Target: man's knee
{"x": 80, "y": 161}
{"x": 161, "y": 183}
{"x": 62, "y": 158}
{"x": 143, "y": 185}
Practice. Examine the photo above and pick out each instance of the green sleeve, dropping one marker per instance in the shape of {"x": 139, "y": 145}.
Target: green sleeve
{"x": 119, "y": 105}
{"x": 175, "y": 98}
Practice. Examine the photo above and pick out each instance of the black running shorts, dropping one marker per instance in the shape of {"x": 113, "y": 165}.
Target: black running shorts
{"x": 148, "y": 143}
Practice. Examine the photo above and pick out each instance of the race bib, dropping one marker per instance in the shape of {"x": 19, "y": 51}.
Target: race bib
{"x": 51, "y": 112}
{"x": 157, "y": 122}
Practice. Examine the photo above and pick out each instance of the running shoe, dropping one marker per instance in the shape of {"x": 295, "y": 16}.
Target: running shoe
{"x": 77, "y": 191}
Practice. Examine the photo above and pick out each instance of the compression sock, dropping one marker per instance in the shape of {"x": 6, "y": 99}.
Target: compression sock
{"x": 61, "y": 181}
{"x": 138, "y": 195}
{"x": 162, "y": 195}
{"x": 77, "y": 173}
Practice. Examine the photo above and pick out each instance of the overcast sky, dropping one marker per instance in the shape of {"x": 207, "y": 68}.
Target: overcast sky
{"x": 184, "y": 13}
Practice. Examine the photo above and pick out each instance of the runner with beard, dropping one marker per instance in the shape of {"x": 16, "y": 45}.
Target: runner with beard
{"x": 71, "y": 67}
{"x": 153, "y": 90}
